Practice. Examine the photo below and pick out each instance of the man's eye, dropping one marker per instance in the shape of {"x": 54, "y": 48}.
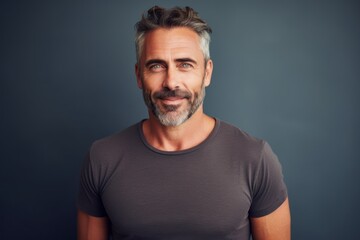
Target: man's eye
{"x": 156, "y": 67}
{"x": 185, "y": 65}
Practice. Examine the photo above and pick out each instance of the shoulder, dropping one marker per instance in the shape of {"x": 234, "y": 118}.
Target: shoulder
{"x": 112, "y": 146}
{"x": 251, "y": 152}
{"x": 107, "y": 153}
{"x": 240, "y": 140}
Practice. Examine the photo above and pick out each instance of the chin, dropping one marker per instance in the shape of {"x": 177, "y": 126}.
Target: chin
{"x": 173, "y": 121}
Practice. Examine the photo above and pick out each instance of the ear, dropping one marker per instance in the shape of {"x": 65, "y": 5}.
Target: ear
{"x": 138, "y": 76}
{"x": 208, "y": 72}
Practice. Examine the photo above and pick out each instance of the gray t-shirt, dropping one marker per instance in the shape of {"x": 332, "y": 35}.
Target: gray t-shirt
{"x": 206, "y": 192}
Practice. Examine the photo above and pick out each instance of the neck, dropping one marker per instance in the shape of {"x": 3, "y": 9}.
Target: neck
{"x": 187, "y": 135}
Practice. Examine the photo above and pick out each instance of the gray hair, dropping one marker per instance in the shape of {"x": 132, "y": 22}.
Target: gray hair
{"x": 158, "y": 17}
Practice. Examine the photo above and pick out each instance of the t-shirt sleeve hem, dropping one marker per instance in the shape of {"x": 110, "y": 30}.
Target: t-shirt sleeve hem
{"x": 91, "y": 212}
{"x": 270, "y": 209}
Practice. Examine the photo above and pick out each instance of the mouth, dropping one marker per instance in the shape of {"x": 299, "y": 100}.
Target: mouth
{"x": 172, "y": 100}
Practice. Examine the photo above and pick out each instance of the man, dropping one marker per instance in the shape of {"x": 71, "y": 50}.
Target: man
{"x": 180, "y": 174}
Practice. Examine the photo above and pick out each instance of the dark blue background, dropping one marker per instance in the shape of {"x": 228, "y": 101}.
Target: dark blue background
{"x": 286, "y": 71}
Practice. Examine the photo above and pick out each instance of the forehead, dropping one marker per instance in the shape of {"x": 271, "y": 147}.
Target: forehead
{"x": 163, "y": 42}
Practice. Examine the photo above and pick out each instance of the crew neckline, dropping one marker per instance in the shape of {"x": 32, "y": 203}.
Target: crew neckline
{"x": 185, "y": 151}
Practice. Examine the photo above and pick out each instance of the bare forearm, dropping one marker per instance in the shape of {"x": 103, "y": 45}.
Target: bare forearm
{"x": 92, "y": 228}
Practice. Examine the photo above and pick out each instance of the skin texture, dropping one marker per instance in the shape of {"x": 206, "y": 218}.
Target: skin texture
{"x": 172, "y": 59}
{"x": 92, "y": 228}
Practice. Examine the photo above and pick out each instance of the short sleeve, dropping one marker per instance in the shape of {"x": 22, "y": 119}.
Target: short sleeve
{"x": 269, "y": 190}
{"x": 89, "y": 195}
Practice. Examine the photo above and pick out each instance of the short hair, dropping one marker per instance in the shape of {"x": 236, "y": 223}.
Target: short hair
{"x": 157, "y": 17}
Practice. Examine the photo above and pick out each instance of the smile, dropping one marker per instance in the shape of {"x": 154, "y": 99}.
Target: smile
{"x": 171, "y": 100}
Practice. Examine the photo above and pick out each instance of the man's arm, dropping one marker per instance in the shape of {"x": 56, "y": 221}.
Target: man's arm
{"x": 92, "y": 228}
{"x": 275, "y": 226}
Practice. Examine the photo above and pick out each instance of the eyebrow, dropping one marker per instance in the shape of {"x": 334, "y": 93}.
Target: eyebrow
{"x": 160, "y": 61}
{"x": 186, "y": 60}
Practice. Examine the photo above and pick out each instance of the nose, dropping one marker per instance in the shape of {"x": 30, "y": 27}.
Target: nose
{"x": 171, "y": 79}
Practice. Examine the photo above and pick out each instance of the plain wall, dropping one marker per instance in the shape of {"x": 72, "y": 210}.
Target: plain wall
{"x": 285, "y": 71}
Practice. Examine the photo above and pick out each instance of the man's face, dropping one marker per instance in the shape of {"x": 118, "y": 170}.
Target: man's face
{"x": 173, "y": 74}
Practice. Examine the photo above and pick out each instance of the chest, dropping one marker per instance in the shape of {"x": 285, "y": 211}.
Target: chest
{"x": 152, "y": 197}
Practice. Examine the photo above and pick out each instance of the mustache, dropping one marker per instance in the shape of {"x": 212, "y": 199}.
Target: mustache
{"x": 166, "y": 93}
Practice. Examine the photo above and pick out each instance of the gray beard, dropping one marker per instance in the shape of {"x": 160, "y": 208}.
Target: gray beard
{"x": 169, "y": 115}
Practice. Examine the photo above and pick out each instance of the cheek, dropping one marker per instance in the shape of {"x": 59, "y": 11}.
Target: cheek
{"x": 192, "y": 79}
{"x": 152, "y": 81}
